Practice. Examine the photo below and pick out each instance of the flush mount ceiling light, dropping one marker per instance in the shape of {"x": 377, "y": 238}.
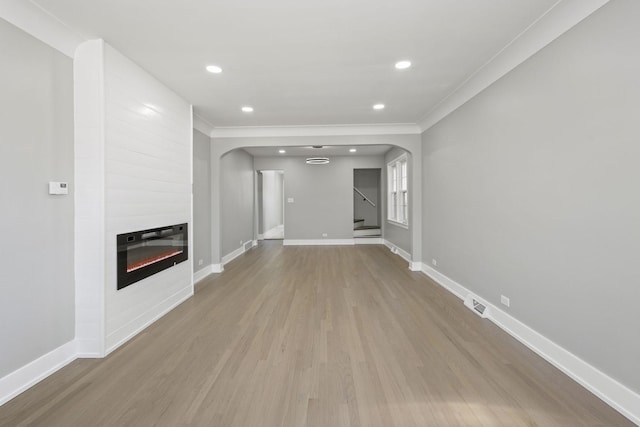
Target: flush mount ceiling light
{"x": 214, "y": 69}
{"x": 378, "y": 107}
{"x": 282, "y": 151}
{"x": 317, "y": 160}
{"x": 403, "y": 65}
{"x": 317, "y": 146}
{"x": 247, "y": 109}
{"x": 352, "y": 150}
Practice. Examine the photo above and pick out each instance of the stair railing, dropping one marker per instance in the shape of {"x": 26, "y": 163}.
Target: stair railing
{"x": 364, "y": 198}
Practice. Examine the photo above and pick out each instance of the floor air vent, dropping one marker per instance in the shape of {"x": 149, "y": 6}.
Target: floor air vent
{"x": 477, "y": 306}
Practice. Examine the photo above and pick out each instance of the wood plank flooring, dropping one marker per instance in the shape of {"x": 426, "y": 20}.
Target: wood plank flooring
{"x": 314, "y": 336}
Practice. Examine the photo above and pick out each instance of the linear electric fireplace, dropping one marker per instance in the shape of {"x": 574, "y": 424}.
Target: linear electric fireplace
{"x": 147, "y": 252}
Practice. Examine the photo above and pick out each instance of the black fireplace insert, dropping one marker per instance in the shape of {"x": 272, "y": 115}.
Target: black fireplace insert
{"x": 147, "y": 252}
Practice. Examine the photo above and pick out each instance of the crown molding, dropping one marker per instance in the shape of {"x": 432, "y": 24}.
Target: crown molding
{"x": 324, "y": 130}
{"x": 561, "y": 17}
{"x": 39, "y": 23}
{"x": 202, "y": 125}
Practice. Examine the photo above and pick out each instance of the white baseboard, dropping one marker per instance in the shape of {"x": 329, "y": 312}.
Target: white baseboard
{"x": 612, "y": 392}
{"x": 317, "y": 242}
{"x": 85, "y": 349}
{"x": 30, "y": 374}
{"x": 122, "y": 335}
{"x": 202, "y": 273}
{"x": 403, "y": 254}
{"x": 236, "y": 253}
{"x": 367, "y": 240}
{"x": 415, "y": 266}
{"x": 233, "y": 255}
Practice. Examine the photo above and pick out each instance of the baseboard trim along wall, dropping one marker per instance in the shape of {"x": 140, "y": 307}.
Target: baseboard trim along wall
{"x": 403, "y": 254}
{"x": 32, "y": 373}
{"x": 202, "y": 273}
{"x": 249, "y": 244}
{"x": 317, "y": 242}
{"x": 367, "y": 240}
{"x": 146, "y": 319}
{"x": 615, "y": 394}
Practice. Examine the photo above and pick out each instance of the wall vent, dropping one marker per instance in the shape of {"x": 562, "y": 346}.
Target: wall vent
{"x": 476, "y": 305}
{"x": 479, "y": 307}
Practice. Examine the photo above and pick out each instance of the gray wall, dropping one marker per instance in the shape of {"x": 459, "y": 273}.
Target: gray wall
{"x": 272, "y": 199}
{"x": 237, "y": 199}
{"x": 531, "y": 190}
{"x": 368, "y": 182}
{"x": 36, "y": 146}
{"x": 323, "y": 199}
{"x": 396, "y": 234}
{"x": 201, "y": 200}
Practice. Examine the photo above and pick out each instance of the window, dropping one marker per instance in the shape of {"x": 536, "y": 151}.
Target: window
{"x": 398, "y": 191}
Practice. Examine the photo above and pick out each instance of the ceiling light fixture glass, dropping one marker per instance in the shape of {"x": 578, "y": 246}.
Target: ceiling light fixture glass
{"x": 247, "y": 109}
{"x": 352, "y": 150}
{"x": 378, "y": 107}
{"x": 214, "y": 69}
{"x": 282, "y": 151}
{"x": 403, "y": 65}
{"x": 317, "y": 160}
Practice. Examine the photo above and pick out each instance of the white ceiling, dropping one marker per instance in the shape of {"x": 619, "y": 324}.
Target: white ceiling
{"x": 325, "y": 151}
{"x": 305, "y": 62}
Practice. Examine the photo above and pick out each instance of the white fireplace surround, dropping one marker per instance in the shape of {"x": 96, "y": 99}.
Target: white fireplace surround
{"x": 133, "y": 171}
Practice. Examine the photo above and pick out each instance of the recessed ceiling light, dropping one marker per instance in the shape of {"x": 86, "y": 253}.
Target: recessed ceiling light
{"x": 403, "y": 65}
{"x": 247, "y": 109}
{"x": 282, "y": 151}
{"x": 214, "y": 69}
{"x": 352, "y": 150}
{"x": 378, "y": 107}
{"x": 317, "y": 160}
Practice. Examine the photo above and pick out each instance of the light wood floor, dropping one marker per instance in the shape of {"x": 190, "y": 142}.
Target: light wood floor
{"x": 314, "y": 336}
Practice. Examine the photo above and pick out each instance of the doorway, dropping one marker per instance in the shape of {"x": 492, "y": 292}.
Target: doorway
{"x": 270, "y": 205}
{"x": 366, "y": 204}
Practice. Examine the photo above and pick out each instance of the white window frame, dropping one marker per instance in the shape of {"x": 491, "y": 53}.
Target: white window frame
{"x": 398, "y": 191}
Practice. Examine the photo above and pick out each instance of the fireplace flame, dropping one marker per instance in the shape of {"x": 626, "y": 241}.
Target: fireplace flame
{"x": 138, "y": 265}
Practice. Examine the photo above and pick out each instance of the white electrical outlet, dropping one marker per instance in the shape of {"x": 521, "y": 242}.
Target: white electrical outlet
{"x": 504, "y": 300}
{"x": 199, "y": 262}
{"x": 434, "y": 262}
{"x": 324, "y": 234}
{"x": 289, "y": 199}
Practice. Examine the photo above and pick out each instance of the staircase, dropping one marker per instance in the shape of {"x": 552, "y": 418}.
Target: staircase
{"x": 361, "y": 230}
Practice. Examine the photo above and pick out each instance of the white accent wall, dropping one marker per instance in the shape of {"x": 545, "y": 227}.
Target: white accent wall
{"x": 134, "y": 162}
